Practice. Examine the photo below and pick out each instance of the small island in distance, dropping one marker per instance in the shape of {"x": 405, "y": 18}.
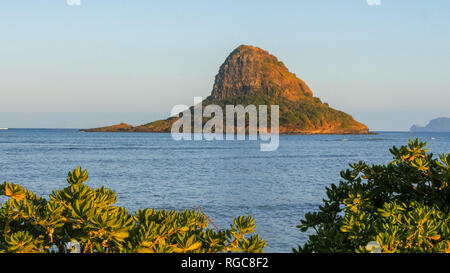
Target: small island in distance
{"x": 436, "y": 125}
{"x": 251, "y": 75}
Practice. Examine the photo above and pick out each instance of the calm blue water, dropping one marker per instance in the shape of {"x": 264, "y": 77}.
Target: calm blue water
{"x": 225, "y": 178}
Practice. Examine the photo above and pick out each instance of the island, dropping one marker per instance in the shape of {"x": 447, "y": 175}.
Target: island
{"x": 251, "y": 75}
{"x": 435, "y": 125}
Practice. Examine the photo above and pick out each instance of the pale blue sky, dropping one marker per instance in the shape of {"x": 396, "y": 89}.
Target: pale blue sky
{"x": 110, "y": 61}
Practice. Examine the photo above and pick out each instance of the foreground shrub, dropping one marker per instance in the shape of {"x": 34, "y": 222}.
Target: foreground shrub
{"x": 399, "y": 207}
{"x": 78, "y": 218}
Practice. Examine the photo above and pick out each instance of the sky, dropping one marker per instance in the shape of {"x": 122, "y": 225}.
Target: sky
{"x": 108, "y": 61}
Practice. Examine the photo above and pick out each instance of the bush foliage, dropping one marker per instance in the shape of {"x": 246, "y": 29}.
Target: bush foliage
{"x": 400, "y": 207}
{"x": 78, "y": 218}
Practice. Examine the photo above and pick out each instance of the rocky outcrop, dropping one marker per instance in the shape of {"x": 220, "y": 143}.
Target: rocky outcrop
{"x": 249, "y": 69}
{"x": 122, "y": 127}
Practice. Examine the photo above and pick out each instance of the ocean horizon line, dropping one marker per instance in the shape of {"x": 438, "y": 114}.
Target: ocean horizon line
{"x": 50, "y": 128}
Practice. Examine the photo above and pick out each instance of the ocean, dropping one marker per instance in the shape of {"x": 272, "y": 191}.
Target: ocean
{"x": 225, "y": 178}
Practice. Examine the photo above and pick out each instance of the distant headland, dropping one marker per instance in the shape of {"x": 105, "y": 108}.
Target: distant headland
{"x": 251, "y": 75}
{"x": 435, "y": 125}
